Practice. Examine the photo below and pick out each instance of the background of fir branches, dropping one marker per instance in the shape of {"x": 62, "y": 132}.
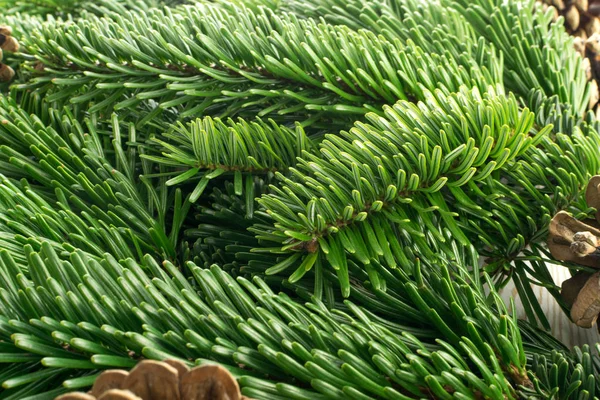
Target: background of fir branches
{"x": 300, "y": 190}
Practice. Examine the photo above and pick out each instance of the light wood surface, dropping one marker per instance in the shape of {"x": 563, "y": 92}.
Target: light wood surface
{"x": 562, "y": 327}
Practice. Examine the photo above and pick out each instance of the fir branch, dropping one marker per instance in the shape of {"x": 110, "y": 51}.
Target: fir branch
{"x": 64, "y": 8}
{"x": 538, "y": 53}
{"x": 236, "y": 62}
{"x": 95, "y": 179}
{"x": 127, "y": 198}
{"x": 229, "y": 147}
{"x": 385, "y": 214}
{"x": 270, "y": 334}
{"x": 473, "y": 164}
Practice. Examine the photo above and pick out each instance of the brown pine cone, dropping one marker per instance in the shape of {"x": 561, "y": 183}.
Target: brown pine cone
{"x": 7, "y": 41}
{"x": 579, "y": 242}
{"x": 582, "y": 20}
{"x": 6, "y": 73}
{"x": 168, "y": 380}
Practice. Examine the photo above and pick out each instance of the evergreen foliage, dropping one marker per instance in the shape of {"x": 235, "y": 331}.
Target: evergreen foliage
{"x": 238, "y": 62}
{"x": 302, "y": 191}
{"x": 536, "y": 53}
{"x": 63, "y": 8}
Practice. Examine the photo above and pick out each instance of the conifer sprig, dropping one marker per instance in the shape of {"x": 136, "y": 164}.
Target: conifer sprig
{"x": 111, "y": 311}
{"x": 230, "y": 147}
{"x": 537, "y": 53}
{"x": 473, "y": 163}
{"x": 116, "y": 182}
{"x": 117, "y": 151}
{"x": 237, "y": 62}
{"x": 64, "y": 8}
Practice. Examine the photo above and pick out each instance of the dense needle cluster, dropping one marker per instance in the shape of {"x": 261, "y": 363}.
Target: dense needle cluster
{"x": 323, "y": 196}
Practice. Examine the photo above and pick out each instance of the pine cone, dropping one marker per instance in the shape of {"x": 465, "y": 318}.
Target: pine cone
{"x": 579, "y": 242}
{"x": 582, "y": 20}
{"x": 168, "y": 380}
{"x": 6, "y": 73}
{"x": 11, "y": 45}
